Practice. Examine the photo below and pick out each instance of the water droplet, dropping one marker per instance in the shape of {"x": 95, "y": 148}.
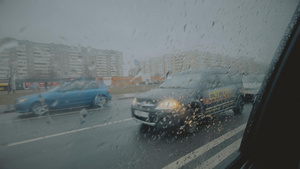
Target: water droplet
{"x": 184, "y": 27}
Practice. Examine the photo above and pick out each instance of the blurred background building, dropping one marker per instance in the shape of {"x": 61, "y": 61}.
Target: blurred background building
{"x": 32, "y": 60}
{"x": 188, "y": 60}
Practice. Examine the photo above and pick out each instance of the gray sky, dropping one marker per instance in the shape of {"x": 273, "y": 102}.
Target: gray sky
{"x": 143, "y": 29}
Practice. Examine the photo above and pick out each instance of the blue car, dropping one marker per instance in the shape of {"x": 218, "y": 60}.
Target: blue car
{"x": 73, "y": 94}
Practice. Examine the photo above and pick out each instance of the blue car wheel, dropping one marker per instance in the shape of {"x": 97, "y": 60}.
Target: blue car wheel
{"x": 39, "y": 108}
{"x": 100, "y": 101}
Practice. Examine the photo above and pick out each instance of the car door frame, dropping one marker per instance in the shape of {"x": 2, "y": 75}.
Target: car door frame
{"x": 270, "y": 139}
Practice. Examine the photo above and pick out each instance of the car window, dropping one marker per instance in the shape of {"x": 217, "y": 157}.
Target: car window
{"x": 253, "y": 79}
{"x": 178, "y": 80}
{"x": 91, "y": 85}
{"x": 225, "y": 80}
{"x": 190, "y": 80}
{"x": 212, "y": 81}
{"x": 77, "y": 85}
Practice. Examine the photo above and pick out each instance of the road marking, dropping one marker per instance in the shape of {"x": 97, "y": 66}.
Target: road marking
{"x": 67, "y": 132}
{"x": 200, "y": 151}
{"x": 42, "y": 117}
{"x": 220, "y": 156}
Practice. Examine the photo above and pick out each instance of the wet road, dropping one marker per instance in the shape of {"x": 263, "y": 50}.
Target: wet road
{"x": 109, "y": 138}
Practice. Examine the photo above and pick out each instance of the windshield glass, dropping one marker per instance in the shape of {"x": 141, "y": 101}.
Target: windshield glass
{"x": 182, "y": 81}
{"x": 57, "y": 88}
{"x": 110, "y": 61}
{"x": 253, "y": 79}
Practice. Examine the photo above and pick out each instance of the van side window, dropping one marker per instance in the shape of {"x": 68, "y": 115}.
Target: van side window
{"x": 212, "y": 81}
{"x": 236, "y": 79}
{"x": 205, "y": 83}
{"x": 225, "y": 80}
{"x": 217, "y": 83}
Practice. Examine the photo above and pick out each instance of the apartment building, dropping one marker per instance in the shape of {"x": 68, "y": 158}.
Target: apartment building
{"x": 22, "y": 61}
{"x": 32, "y": 60}
{"x": 188, "y": 60}
{"x": 4, "y": 64}
{"x": 108, "y": 63}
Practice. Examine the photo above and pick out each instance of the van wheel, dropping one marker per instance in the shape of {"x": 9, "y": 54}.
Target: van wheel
{"x": 190, "y": 122}
{"x": 239, "y": 106}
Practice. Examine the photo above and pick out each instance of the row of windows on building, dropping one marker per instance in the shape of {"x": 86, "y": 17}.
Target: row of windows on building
{"x": 66, "y": 61}
{"x": 159, "y": 66}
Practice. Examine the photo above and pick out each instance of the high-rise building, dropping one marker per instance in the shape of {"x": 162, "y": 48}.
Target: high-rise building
{"x": 4, "y": 64}
{"x": 108, "y": 63}
{"x": 32, "y": 60}
{"x": 188, "y": 60}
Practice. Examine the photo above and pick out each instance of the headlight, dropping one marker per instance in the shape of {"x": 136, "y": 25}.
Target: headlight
{"x": 22, "y": 100}
{"x": 168, "y": 104}
{"x": 134, "y": 102}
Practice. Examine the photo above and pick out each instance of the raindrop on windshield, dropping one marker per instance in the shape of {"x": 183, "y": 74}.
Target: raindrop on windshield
{"x": 184, "y": 27}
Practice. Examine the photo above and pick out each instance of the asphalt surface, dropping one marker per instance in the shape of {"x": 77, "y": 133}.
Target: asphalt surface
{"x": 109, "y": 138}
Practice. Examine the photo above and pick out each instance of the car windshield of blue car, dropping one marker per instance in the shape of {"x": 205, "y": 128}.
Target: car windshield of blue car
{"x": 55, "y": 89}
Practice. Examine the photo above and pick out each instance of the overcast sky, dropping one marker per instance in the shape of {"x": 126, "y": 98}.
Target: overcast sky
{"x": 143, "y": 29}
